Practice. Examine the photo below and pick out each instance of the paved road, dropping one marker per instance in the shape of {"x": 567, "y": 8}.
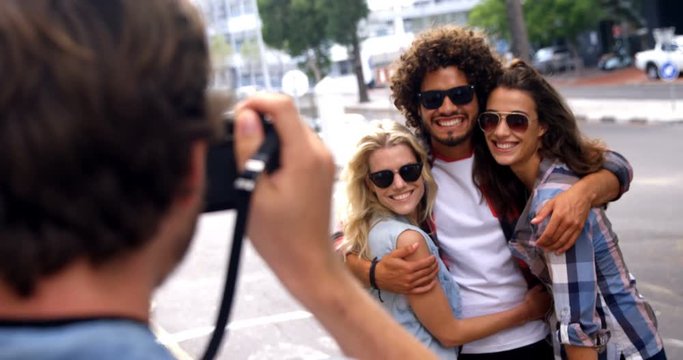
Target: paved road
{"x": 648, "y": 91}
{"x": 647, "y": 219}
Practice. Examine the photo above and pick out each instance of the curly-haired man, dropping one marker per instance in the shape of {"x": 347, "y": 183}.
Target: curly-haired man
{"x": 441, "y": 84}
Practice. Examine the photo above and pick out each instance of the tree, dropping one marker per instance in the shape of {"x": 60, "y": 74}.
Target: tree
{"x": 298, "y": 28}
{"x": 624, "y": 11}
{"x": 492, "y": 16}
{"x": 250, "y": 54}
{"x": 520, "y": 39}
{"x": 220, "y": 52}
{"x": 342, "y": 27}
{"x": 307, "y": 28}
{"x": 547, "y": 20}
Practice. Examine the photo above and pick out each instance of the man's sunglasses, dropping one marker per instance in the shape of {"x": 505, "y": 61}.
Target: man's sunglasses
{"x": 517, "y": 122}
{"x": 459, "y": 95}
{"x": 384, "y": 178}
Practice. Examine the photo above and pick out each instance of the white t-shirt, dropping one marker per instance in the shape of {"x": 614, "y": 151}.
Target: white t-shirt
{"x": 475, "y": 250}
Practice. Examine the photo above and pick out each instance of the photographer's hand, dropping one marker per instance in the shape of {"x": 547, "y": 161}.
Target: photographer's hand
{"x": 289, "y": 226}
{"x": 290, "y": 207}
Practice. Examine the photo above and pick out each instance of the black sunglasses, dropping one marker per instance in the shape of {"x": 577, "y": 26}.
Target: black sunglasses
{"x": 384, "y": 178}
{"x": 517, "y": 122}
{"x": 459, "y": 95}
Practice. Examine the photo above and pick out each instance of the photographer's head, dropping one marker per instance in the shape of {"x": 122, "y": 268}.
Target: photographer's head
{"x": 102, "y": 128}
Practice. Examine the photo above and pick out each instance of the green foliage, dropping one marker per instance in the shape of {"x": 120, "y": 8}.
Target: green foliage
{"x": 546, "y": 20}
{"x": 249, "y": 50}
{"x": 220, "y": 50}
{"x": 342, "y": 18}
{"x": 491, "y": 15}
{"x": 294, "y": 26}
{"x": 628, "y": 11}
{"x": 307, "y": 27}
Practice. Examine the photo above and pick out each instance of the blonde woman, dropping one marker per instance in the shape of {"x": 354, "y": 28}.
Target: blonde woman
{"x": 391, "y": 193}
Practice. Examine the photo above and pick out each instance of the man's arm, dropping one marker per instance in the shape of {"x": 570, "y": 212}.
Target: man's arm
{"x": 289, "y": 227}
{"x": 396, "y": 274}
{"x": 570, "y": 209}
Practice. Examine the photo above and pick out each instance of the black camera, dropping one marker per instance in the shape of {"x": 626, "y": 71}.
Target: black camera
{"x": 221, "y": 172}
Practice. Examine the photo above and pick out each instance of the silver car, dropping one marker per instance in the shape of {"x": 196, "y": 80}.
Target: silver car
{"x": 553, "y": 59}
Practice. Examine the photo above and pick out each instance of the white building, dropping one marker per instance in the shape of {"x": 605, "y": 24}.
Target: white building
{"x": 387, "y": 31}
{"x": 390, "y": 28}
{"x": 238, "y": 25}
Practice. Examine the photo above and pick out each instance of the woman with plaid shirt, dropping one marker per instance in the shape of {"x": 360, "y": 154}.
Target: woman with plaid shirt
{"x": 534, "y": 142}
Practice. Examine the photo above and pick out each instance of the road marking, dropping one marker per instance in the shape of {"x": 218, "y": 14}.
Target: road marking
{"x": 235, "y": 325}
{"x": 165, "y": 339}
{"x": 657, "y": 181}
{"x": 647, "y": 287}
{"x": 673, "y": 342}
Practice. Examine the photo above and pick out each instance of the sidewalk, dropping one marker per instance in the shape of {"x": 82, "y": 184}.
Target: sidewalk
{"x": 606, "y": 110}
{"x": 617, "y": 110}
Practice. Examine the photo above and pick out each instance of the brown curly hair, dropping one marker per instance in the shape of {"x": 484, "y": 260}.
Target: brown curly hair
{"x": 440, "y": 47}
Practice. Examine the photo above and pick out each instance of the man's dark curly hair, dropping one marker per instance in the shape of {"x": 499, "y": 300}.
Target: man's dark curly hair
{"x": 441, "y": 47}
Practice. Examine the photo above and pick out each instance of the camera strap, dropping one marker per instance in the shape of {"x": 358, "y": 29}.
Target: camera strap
{"x": 267, "y": 159}
{"x": 243, "y": 199}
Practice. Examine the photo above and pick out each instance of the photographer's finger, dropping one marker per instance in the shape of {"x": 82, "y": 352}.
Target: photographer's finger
{"x": 282, "y": 112}
{"x": 248, "y": 135}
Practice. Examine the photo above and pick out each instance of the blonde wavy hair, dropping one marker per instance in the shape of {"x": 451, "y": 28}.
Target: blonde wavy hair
{"x": 363, "y": 205}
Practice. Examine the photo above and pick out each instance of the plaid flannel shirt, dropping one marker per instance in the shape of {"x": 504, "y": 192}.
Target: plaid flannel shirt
{"x": 596, "y": 303}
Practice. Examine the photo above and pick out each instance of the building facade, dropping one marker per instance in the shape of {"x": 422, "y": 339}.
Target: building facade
{"x": 243, "y": 61}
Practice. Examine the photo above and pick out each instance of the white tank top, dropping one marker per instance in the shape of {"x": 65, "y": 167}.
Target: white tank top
{"x": 475, "y": 250}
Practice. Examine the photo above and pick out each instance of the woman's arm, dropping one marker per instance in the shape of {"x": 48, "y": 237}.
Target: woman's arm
{"x": 433, "y": 309}
{"x": 580, "y": 353}
{"x": 574, "y": 287}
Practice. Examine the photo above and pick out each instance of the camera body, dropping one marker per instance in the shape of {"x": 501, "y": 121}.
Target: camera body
{"x": 221, "y": 170}
{"x": 221, "y": 166}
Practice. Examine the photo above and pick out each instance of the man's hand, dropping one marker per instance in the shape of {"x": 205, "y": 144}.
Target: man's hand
{"x": 394, "y": 273}
{"x": 569, "y": 213}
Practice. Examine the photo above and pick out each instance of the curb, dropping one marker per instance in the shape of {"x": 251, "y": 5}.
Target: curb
{"x": 630, "y": 121}
{"x": 377, "y": 112}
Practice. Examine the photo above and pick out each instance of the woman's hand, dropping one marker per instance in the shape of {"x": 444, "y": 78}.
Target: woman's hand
{"x": 537, "y": 302}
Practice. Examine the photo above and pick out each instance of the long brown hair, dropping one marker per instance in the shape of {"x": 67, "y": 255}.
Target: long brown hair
{"x": 562, "y": 140}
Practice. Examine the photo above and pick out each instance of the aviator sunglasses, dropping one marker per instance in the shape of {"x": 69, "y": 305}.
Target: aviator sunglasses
{"x": 517, "y": 122}
{"x": 459, "y": 95}
{"x": 384, "y": 178}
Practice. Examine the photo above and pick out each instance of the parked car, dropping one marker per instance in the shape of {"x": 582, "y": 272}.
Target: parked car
{"x": 553, "y": 59}
{"x": 652, "y": 60}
